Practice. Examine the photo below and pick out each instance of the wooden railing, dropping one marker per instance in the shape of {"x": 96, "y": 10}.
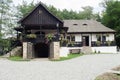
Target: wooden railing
{"x": 103, "y": 43}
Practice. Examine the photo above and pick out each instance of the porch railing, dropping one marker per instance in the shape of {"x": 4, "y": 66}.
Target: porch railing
{"x": 103, "y": 43}
{"x": 93, "y": 44}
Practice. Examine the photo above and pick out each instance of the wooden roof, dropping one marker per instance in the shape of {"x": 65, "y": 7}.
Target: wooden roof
{"x": 40, "y": 16}
{"x": 86, "y": 26}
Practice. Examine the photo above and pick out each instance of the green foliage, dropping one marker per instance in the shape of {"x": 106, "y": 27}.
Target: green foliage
{"x": 70, "y": 56}
{"x": 108, "y": 42}
{"x": 17, "y": 58}
{"x": 111, "y": 16}
{"x": 87, "y": 12}
{"x": 98, "y": 43}
{"x": 49, "y": 37}
{"x": 6, "y": 18}
{"x": 24, "y": 9}
{"x": 31, "y": 36}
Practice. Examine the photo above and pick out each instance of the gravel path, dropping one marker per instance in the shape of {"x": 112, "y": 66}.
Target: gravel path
{"x": 86, "y": 67}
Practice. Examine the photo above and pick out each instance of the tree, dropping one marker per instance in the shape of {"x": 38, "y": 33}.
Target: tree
{"x": 24, "y": 9}
{"x": 6, "y": 17}
{"x": 111, "y": 16}
{"x": 6, "y": 22}
{"x": 87, "y": 12}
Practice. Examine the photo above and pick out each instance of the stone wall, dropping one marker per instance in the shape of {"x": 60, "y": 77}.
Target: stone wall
{"x": 28, "y": 50}
{"x": 54, "y": 50}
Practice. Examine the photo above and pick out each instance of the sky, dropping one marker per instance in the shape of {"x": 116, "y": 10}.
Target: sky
{"x": 74, "y": 5}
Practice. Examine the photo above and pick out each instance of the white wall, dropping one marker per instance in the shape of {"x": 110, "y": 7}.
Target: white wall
{"x": 94, "y": 37}
{"x": 110, "y": 37}
{"x": 105, "y": 49}
{"x": 64, "y": 51}
{"x": 78, "y": 38}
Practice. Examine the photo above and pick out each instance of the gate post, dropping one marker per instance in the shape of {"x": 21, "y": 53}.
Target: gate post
{"x": 27, "y": 50}
{"x": 55, "y": 50}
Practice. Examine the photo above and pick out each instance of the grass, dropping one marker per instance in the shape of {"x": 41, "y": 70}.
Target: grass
{"x": 17, "y": 58}
{"x": 108, "y": 76}
{"x": 70, "y": 56}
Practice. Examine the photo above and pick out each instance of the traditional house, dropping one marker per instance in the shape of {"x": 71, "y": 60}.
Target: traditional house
{"x": 89, "y": 36}
{"x": 41, "y": 33}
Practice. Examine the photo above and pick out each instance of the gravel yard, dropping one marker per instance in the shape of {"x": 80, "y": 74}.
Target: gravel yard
{"x": 85, "y": 67}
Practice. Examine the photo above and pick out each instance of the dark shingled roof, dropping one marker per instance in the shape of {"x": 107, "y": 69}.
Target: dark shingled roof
{"x": 85, "y": 26}
{"x": 39, "y": 4}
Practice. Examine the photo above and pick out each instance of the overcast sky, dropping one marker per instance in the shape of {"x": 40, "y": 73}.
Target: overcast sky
{"x": 69, "y": 4}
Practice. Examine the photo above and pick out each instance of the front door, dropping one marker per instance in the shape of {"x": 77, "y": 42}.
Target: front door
{"x": 85, "y": 40}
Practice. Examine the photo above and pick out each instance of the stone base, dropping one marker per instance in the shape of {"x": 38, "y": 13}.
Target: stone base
{"x": 27, "y": 50}
{"x": 54, "y": 51}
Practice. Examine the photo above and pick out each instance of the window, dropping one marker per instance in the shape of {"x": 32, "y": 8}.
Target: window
{"x": 103, "y": 38}
{"x": 75, "y": 24}
{"x": 72, "y": 38}
{"x": 84, "y": 24}
{"x": 68, "y": 38}
{"x": 99, "y": 38}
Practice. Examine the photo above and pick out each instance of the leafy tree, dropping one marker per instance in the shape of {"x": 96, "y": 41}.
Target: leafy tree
{"x": 111, "y": 16}
{"x": 6, "y": 22}
{"x": 6, "y": 17}
{"x": 87, "y": 12}
{"x": 24, "y": 9}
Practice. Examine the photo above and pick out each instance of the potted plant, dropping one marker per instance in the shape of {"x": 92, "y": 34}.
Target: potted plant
{"x": 107, "y": 35}
{"x": 31, "y": 36}
{"x": 98, "y": 43}
{"x": 71, "y": 44}
{"x": 108, "y": 42}
{"x": 49, "y": 37}
{"x": 97, "y": 35}
{"x": 64, "y": 42}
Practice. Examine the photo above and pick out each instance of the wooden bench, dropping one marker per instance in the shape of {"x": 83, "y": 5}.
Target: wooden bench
{"x": 75, "y": 51}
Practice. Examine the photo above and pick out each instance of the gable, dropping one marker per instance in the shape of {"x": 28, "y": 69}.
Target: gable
{"x": 40, "y": 16}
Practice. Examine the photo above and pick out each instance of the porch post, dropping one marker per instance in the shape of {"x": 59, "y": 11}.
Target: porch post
{"x": 91, "y": 40}
{"x": 57, "y": 25}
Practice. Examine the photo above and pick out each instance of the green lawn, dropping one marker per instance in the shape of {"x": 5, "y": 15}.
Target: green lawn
{"x": 17, "y": 58}
{"x": 108, "y": 76}
{"x": 70, "y": 56}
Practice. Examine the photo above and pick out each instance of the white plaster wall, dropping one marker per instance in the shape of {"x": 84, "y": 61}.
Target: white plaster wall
{"x": 94, "y": 37}
{"x": 78, "y": 38}
{"x": 105, "y": 49}
{"x": 110, "y": 37}
{"x": 64, "y": 51}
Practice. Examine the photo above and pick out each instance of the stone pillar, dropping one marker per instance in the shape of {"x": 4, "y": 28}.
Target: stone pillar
{"x": 27, "y": 50}
{"x": 24, "y": 50}
{"x": 55, "y": 50}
